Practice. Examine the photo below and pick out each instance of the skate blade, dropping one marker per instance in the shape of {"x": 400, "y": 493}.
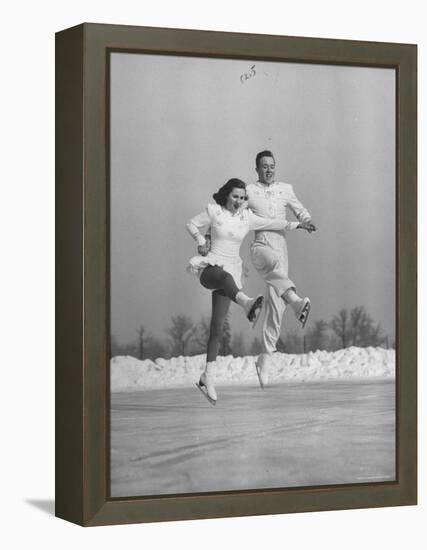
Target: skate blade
{"x": 205, "y": 393}
{"x": 304, "y": 314}
{"x": 258, "y": 305}
{"x": 258, "y": 371}
{"x": 255, "y": 321}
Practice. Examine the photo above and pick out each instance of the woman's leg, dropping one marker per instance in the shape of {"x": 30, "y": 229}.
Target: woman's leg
{"x": 220, "y": 307}
{"x": 216, "y": 278}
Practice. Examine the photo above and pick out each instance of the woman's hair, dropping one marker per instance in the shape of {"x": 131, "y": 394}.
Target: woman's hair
{"x": 221, "y": 195}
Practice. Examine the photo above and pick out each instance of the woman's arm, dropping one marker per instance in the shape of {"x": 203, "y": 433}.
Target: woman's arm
{"x": 199, "y": 222}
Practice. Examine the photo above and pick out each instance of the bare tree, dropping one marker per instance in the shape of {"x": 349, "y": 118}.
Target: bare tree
{"x": 225, "y": 345}
{"x": 292, "y": 343}
{"x": 181, "y": 331}
{"x": 256, "y": 347}
{"x": 357, "y": 328}
{"x": 143, "y": 347}
{"x": 281, "y": 345}
{"x": 340, "y": 325}
{"x": 141, "y": 332}
{"x": 317, "y": 336}
{"x": 201, "y": 335}
{"x": 238, "y": 345}
{"x": 363, "y": 331}
{"x": 155, "y": 348}
{"x": 131, "y": 348}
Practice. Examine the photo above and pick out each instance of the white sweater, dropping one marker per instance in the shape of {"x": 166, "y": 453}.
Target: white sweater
{"x": 227, "y": 233}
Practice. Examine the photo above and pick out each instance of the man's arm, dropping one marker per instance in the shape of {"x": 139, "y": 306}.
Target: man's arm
{"x": 301, "y": 213}
{"x": 258, "y": 223}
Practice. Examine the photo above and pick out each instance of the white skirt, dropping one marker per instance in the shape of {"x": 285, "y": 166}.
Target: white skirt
{"x": 198, "y": 263}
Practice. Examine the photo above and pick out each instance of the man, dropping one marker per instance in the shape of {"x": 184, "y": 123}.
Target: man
{"x": 268, "y": 198}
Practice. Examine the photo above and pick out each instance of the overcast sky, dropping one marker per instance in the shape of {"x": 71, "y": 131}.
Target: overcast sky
{"x": 182, "y": 126}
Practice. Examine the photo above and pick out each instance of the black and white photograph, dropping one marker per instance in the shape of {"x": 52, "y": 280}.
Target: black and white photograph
{"x": 214, "y": 275}
{"x": 252, "y": 274}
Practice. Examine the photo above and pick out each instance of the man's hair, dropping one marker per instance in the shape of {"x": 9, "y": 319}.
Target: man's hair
{"x": 221, "y": 195}
{"x": 263, "y": 154}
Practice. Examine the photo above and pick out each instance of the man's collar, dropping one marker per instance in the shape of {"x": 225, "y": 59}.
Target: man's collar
{"x": 265, "y": 184}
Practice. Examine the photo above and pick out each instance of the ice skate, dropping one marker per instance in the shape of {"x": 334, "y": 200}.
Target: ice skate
{"x": 207, "y": 388}
{"x": 302, "y": 312}
{"x": 253, "y": 310}
{"x": 261, "y": 369}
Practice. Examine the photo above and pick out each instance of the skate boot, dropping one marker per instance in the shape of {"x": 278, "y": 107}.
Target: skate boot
{"x": 253, "y": 309}
{"x": 302, "y": 310}
{"x": 261, "y": 369}
{"x": 206, "y": 386}
{"x": 251, "y": 306}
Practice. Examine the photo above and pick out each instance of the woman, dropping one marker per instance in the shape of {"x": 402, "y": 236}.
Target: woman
{"x": 220, "y": 268}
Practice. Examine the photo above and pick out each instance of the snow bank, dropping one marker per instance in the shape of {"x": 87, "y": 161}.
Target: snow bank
{"x": 130, "y": 374}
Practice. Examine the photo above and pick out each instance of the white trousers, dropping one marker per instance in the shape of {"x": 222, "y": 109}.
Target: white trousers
{"x": 272, "y": 265}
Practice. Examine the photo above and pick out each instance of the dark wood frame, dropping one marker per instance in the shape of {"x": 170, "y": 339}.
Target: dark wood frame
{"x": 82, "y": 284}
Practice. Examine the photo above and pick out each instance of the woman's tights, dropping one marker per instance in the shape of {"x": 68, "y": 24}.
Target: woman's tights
{"x": 224, "y": 289}
{"x": 215, "y": 278}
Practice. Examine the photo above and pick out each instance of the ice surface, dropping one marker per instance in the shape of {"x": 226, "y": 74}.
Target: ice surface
{"x": 295, "y": 434}
{"x": 131, "y": 374}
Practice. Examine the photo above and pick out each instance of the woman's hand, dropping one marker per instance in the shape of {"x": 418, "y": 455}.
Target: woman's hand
{"x": 308, "y": 226}
{"x": 203, "y": 249}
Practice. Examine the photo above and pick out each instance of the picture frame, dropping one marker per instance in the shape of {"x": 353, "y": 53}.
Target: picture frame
{"x": 83, "y": 278}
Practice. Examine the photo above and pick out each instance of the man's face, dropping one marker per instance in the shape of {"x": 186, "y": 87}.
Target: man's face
{"x": 266, "y": 170}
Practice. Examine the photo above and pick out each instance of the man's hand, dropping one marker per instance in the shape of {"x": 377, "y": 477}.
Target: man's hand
{"x": 308, "y": 226}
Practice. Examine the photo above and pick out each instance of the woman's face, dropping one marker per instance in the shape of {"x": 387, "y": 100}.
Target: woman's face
{"x": 235, "y": 199}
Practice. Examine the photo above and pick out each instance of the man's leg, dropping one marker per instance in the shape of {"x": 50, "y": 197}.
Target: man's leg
{"x": 272, "y": 266}
{"x": 274, "y": 310}
{"x": 300, "y": 306}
